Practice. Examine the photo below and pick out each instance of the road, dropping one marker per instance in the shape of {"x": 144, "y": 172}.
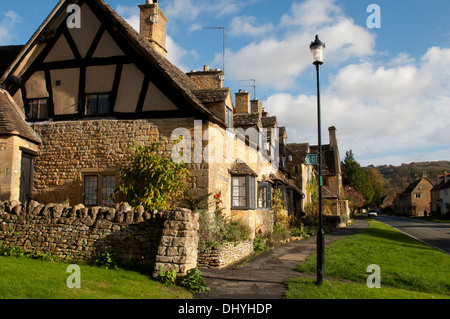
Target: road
{"x": 436, "y": 235}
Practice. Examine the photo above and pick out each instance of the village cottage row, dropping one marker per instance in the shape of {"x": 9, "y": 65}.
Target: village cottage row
{"x": 421, "y": 198}
{"x": 73, "y": 100}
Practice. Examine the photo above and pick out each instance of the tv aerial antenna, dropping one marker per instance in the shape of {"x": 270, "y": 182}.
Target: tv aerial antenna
{"x": 224, "y": 38}
{"x": 253, "y": 86}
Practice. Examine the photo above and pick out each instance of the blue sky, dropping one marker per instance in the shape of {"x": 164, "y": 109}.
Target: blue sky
{"x": 387, "y": 90}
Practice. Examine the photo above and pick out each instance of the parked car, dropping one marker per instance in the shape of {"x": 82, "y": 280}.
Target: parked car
{"x": 372, "y": 213}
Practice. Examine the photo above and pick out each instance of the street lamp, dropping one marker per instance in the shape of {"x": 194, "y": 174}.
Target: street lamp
{"x": 317, "y": 47}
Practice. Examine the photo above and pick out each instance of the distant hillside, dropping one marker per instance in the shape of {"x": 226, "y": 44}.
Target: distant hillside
{"x": 399, "y": 177}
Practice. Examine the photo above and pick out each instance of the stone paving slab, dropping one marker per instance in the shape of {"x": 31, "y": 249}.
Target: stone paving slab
{"x": 263, "y": 277}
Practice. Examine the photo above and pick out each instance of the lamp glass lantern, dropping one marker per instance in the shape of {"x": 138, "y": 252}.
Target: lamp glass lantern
{"x": 317, "y": 48}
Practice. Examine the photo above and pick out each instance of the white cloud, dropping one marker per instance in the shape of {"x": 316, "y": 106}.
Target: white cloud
{"x": 246, "y": 26}
{"x": 130, "y": 15}
{"x": 380, "y": 112}
{"x": 176, "y": 54}
{"x": 7, "y": 24}
{"x": 312, "y": 14}
{"x": 277, "y": 62}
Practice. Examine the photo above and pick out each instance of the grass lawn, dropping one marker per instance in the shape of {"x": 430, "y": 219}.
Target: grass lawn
{"x": 25, "y": 278}
{"x": 409, "y": 268}
{"x": 435, "y": 219}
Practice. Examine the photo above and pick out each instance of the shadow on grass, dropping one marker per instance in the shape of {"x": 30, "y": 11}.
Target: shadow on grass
{"x": 389, "y": 234}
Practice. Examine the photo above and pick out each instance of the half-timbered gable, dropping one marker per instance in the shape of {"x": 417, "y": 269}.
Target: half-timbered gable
{"x": 104, "y": 68}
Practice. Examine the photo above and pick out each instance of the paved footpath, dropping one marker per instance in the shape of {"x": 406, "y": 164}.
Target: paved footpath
{"x": 263, "y": 277}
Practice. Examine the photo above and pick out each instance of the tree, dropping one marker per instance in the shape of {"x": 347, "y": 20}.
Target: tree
{"x": 378, "y": 184}
{"x": 150, "y": 179}
{"x": 353, "y": 175}
{"x": 355, "y": 199}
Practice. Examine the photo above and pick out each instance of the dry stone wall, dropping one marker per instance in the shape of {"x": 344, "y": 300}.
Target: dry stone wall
{"x": 224, "y": 255}
{"x": 169, "y": 239}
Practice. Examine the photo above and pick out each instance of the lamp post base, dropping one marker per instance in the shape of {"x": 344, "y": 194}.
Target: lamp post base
{"x": 320, "y": 256}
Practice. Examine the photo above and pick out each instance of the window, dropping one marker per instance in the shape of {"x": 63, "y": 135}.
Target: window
{"x": 97, "y": 104}
{"x": 264, "y": 196}
{"x": 229, "y": 117}
{"x": 38, "y": 109}
{"x": 97, "y": 189}
{"x": 418, "y": 195}
{"x": 243, "y": 192}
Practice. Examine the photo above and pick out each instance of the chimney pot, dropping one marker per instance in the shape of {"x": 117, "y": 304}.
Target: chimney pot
{"x": 205, "y": 68}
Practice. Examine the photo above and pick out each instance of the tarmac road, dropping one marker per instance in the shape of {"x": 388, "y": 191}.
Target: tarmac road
{"x": 436, "y": 235}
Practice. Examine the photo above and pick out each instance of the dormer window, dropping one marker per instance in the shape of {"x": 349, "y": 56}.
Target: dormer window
{"x": 97, "y": 104}
{"x": 37, "y": 109}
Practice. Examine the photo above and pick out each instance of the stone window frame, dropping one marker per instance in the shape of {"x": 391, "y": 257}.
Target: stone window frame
{"x": 268, "y": 192}
{"x": 248, "y": 195}
{"x": 30, "y": 103}
{"x": 100, "y": 175}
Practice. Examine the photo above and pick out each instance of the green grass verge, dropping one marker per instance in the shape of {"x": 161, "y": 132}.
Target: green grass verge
{"x": 25, "y": 278}
{"x": 405, "y": 263}
{"x": 306, "y": 288}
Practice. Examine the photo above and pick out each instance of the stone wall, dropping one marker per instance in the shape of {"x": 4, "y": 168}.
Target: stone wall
{"x": 168, "y": 239}
{"x": 73, "y": 149}
{"x": 224, "y": 255}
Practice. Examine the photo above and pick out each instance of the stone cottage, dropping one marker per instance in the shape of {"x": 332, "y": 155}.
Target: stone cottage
{"x": 333, "y": 191}
{"x": 440, "y": 195}
{"x": 19, "y": 145}
{"x": 415, "y": 200}
{"x": 90, "y": 89}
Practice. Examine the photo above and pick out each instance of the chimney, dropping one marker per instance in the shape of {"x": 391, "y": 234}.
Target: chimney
{"x": 153, "y": 26}
{"x": 265, "y": 113}
{"x": 332, "y": 133}
{"x": 207, "y": 78}
{"x": 256, "y": 106}
{"x": 242, "y": 102}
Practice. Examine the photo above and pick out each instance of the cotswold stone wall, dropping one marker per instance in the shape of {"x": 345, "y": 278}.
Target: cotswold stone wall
{"x": 224, "y": 255}
{"x": 168, "y": 239}
{"x": 72, "y": 149}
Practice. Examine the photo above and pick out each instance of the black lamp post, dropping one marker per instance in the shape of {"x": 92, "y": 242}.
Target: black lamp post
{"x": 317, "y": 47}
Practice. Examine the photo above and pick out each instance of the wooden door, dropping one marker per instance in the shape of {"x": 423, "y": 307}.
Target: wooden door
{"x": 26, "y": 178}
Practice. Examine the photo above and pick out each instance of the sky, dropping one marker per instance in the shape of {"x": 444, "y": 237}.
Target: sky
{"x": 385, "y": 82}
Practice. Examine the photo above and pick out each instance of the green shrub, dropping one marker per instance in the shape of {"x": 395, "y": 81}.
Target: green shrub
{"x": 168, "y": 277}
{"x": 259, "y": 244}
{"x": 107, "y": 260}
{"x": 194, "y": 282}
{"x": 215, "y": 228}
{"x": 150, "y": 179}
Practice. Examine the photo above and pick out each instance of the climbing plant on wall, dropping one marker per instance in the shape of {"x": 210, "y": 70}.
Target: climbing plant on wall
{"x": 150, "y": 179}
